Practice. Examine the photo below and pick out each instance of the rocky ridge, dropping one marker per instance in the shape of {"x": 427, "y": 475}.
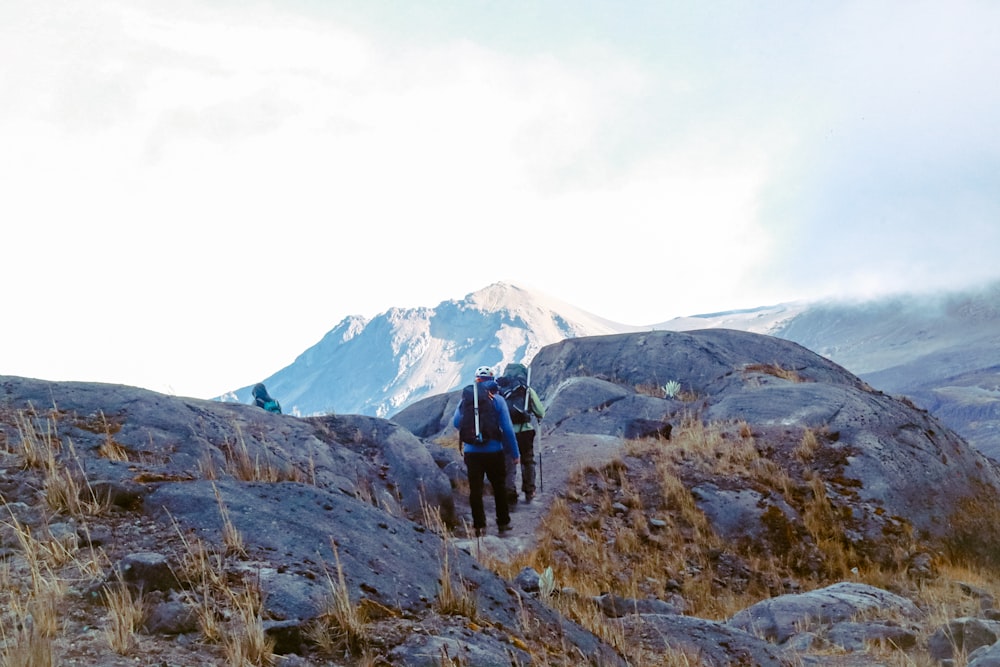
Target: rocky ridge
{"x": 295, "y": 514}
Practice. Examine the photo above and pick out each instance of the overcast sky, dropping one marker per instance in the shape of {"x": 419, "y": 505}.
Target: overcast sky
{"x": 193, "y": 193}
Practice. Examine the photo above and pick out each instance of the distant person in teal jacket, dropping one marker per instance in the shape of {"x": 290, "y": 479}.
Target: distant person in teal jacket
{"x": 262, "y": 399}
{"x": 485, "y": 433}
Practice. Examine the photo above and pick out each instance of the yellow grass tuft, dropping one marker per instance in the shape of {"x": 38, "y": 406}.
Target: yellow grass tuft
{"x": 125, "y": 616}
{"x": 342, "y": 624}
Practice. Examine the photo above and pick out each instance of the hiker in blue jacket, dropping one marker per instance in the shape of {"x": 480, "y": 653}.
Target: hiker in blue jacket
{"x": 486, "y": 458}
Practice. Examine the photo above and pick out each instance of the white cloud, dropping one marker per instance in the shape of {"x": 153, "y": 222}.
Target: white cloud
{"x": 186, "y": 178}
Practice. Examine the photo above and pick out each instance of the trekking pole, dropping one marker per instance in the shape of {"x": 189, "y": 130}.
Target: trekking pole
{"x": 538, "y": 433}
{"x": 541, "y": 476}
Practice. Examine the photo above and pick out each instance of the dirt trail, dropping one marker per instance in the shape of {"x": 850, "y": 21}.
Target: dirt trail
{"x": 561, "y": 454}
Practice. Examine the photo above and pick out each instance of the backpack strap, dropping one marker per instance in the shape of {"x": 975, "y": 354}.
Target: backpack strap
{"x": 527, "y": 394}
{"x": 475, "y": 407}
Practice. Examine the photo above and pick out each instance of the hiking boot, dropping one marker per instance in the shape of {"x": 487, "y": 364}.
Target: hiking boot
{"x": 528, "y": 497}
{"x": 504, "y": 528}
{"x": 511, "y": 498}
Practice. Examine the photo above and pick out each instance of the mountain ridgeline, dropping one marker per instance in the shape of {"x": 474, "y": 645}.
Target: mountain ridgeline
{"x": 938, "y": 350}
{"x": 376, "y": 367}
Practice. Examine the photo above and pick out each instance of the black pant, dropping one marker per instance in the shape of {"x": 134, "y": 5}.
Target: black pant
{"x": 525, "y": 443}
{"x": 492, "y": 466}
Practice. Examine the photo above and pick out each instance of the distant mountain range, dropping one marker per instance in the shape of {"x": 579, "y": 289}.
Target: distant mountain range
{"x": 940, "y": 350}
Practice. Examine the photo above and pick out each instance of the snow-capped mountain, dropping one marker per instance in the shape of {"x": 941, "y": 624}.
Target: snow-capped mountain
{"x": 940, "y": 350}
{"x": 378, "y": 366}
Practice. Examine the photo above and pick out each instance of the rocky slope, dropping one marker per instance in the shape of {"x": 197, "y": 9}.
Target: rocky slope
{"x": 255, "y": 538}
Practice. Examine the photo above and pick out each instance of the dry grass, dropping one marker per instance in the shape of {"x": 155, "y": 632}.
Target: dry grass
{"x": 23, "y": 645}
{"x": 231, "y": 537}
{"x": 776, "y": 370}
{"x": 259, "y": 467}
{"x": 125, "y": 616}
{"x": 39, "y": 447}
{"x": 37, "y": 440}
{"x": 454, "y": 597}
{"x": 246, "y": 643}
{"x": 110, "y": 448}
{"x": 808, "y": 447}
{"x": 827, "y": 530}
{"x": 31, "y": 620}
{"x": 594, "y": 548}
{"x": 343, "y": 626}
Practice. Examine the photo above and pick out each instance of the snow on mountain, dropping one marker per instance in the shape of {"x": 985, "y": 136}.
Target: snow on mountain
{"x": 762, "y": 320}
{"x": 378, "y": 366}
{"x": 940, "y": 350}
{"x": 937, "y": 349}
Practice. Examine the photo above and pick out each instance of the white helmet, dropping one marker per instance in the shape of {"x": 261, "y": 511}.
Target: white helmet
{"x": 484, "y": 372}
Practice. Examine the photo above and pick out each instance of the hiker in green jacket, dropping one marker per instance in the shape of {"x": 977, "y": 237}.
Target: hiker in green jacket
{"x": 522, "y": 402}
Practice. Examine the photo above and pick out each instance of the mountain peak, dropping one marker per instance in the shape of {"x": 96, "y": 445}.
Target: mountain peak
{"x": 499, "y": 296}
{"x": 403, "y": 355}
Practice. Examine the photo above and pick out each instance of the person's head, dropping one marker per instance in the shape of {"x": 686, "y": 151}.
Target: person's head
{"x": 484, "y": 373}
{"x": 259, "y": 391}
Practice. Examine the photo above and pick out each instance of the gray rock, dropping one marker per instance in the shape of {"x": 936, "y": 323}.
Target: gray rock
{"x": 737, "y": 514}
{"x": 714, "y": 644}
{"x": 527, "y": 580}
{"x": 404, "y": 463}
{"x": 457, "y": 473}
{"x": 962, "y": 635}
{"x": 288, "y": 636}
{"x": 172, "y": 617}
{"x": 779, "y": 618}
{"x": 984, "y": 656}
{"x": 615, "y": 606}
{"x": 147, "y": 572}
{"x": 456, "y": 645}
{"x": 856, "y": 636}
{"x": 703, "y": 361}
{"x": 388, "y": 560}
{"x": 168, "y": 438}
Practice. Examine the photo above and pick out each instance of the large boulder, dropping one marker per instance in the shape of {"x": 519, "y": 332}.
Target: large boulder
{"x": 131, "y": 439}
{"x": 780, "y": 618}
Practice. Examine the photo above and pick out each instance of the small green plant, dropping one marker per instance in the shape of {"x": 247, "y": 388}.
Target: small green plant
{"x": 546, "y": 583}
{"x": 671, "y": 389}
